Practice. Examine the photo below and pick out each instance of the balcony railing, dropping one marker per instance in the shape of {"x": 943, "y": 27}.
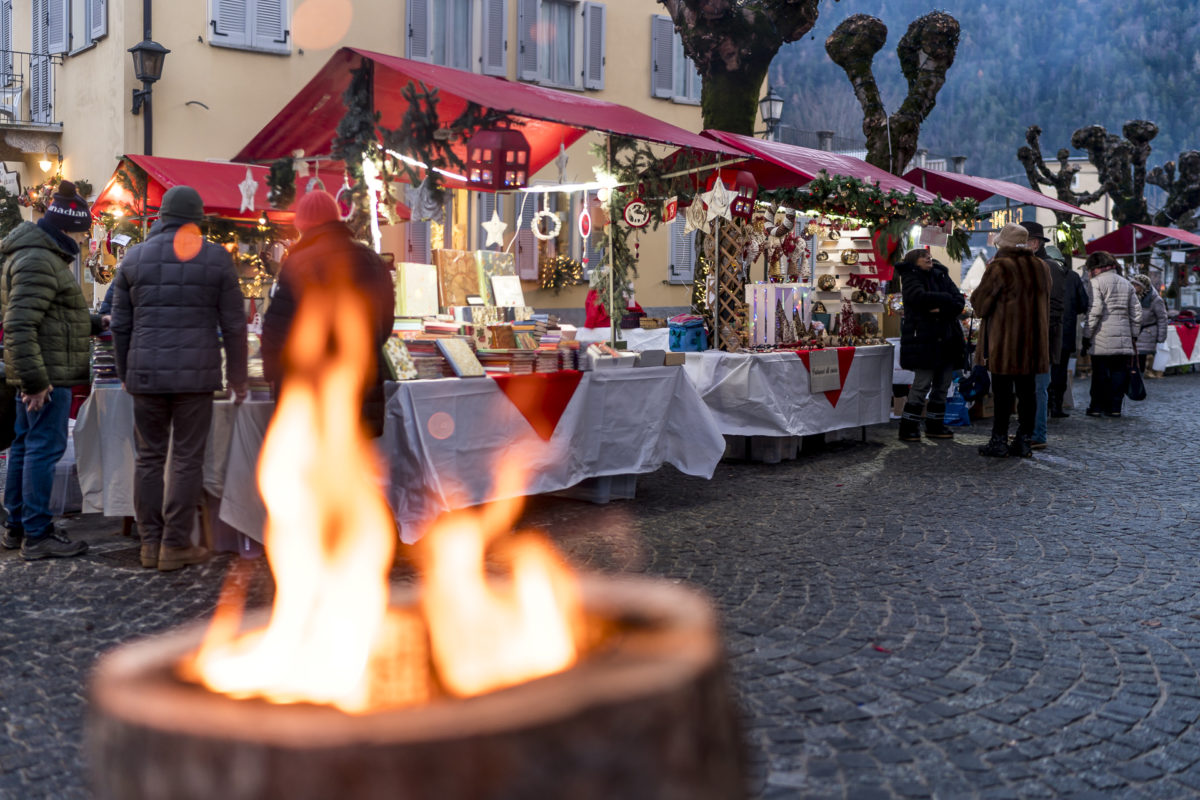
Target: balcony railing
{"x": 27, "y": 88}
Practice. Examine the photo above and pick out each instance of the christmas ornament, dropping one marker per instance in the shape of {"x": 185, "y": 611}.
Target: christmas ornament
{"x": 424, "y": 206}
{"x": 670, "y": 209}
{"x": 553, "y": 221}
{"x": 495, "y": 228}
{"x": 585, "y": 223}
{"x": 823, "y": 256}
{"x": 827, "y": 283}
{"x": 894, "y": 303}
{"x": 636, "y": 213}
{"x": 717, "y": 201}
{"x": 696, "y": 218}
{"x": 849, "y": 256}
{"x": 248, "y": 187}
{"x": 344, "y": 201}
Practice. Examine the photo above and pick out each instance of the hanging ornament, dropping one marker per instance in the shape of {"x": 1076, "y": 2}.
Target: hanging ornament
{"x": 248, "y": 187}
{"x": 553, "y": 221}
{"x": 585, "y": 222}
{"x": 696, "y": 218}
{"x": 717, "y": 201}
{"x": 637, "y": 213}
{"x": 670, "y": 209}
{"x": 424, "y": 206}
{"x": 495, "y": 228}
{"x": 345, "y": 207}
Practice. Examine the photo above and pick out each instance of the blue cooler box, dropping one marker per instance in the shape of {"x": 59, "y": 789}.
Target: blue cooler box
{"x": 687, "y": 337}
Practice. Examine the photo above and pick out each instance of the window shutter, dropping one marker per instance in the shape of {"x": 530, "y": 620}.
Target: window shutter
{"x": 58, "y": 35}
{"x": 595, "y": 258}
{"x": 662, "y": 52}
{"x": 419, "y": 250}
{"x": 230, "y": 23}
{"x": 420, "y": 40}
{"x": 39, "y": 66}
{"x": 527, "y": 30}
{"x": 683, "y": 254}
{"x": 695, "y": 82}
{"x": 526, "y": 245}
{"x": 97, "y": 19}
{"x": 271, "y": 26}
{"x": 593, "y": 45}
{"x": 495, "y": 38}
{"x": 6, "y": 58}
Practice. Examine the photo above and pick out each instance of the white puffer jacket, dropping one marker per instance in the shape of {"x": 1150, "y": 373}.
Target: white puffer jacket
{"x": 1115, "y": 318}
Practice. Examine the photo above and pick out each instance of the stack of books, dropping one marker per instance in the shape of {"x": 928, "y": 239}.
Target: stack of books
{"x": 428, "y": 359}
{"x": 513, "y": 362}
{"x": 547, "y": 359}
{"x": 568, "y": 354}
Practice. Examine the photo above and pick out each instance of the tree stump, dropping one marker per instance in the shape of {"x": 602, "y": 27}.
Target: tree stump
{"x": 648, "y": 714}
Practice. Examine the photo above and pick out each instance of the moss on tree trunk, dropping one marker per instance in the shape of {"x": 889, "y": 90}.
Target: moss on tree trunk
{"x": 729, "y": 100}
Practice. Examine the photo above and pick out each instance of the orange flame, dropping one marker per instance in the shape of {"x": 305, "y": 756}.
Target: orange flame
{"x": 330, "y": 539}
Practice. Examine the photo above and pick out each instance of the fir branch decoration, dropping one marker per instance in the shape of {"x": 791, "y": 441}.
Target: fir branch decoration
{"x": 84, "y": 187}
{"x": 281, "y": 183}
{"x": 559, "y": 272}
{"x": 356, "y": 139}
{"x": 10, "y": 212}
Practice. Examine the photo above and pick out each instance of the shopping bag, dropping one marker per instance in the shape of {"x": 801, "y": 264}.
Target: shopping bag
{"x": 1135, "y": 388}
{"x": 1162, "y": 356}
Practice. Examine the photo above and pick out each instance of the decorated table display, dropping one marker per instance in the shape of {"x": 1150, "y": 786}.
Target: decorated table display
{"x": 1181, "y": 339}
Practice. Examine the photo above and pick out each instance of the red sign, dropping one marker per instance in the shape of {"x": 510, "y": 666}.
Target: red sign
{"x": 671, "y": 209}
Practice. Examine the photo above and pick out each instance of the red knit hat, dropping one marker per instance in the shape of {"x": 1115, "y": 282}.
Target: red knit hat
{"x": 315, "y": 208}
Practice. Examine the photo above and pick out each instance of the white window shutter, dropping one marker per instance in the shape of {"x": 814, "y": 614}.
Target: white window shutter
{"x": 58, "y": 33}
{"x": 527, "y": 32}
{"x": 683, "y": 254}
{"x": 662, "y": 54}
{"x": 696, "y": 83}
{"x": 6, "y": 58}
{"x": 420, "y": 39}
{"x": 230, "y": 22}
{"x": 593, "y": 45}
{"x": 271, "y": 28}
{"x": 495, "y": 38}
{"x": 97, "y": 18}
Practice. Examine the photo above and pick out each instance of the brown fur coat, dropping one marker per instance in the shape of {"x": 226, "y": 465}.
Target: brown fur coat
{"x": 1013, "y": 300}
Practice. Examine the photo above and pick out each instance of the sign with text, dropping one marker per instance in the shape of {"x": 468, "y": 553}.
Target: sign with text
{"x": 823, "y": 372}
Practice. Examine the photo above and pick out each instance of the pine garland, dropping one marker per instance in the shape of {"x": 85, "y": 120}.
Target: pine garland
{"x": 10, "y": 212}
{"x": 355, "y": 140}
{"x": 281, "y": 183}
{"x": 558, "y": 272}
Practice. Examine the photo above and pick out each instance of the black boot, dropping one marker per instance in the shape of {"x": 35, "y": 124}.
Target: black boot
{"x": 1021, "y": 445}
{"x": 997, "y": 447}
{"x": 935, "y": 422}
{"x": 910, "y": 422}
{"x": 1056, "y": 407}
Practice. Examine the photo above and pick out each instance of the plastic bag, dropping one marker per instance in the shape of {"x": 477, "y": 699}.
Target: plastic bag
{"x": 1162, "y": 357}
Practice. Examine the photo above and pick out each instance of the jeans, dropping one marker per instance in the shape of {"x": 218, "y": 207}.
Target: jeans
{"x": 1006, "y": 388}
{"x": 40, "y": 441}
{"x": 1041, "y": 383}
{"x": 926, "y": 379}
{"x": 1109, "y": 376}
{"x": 180, "y": 421}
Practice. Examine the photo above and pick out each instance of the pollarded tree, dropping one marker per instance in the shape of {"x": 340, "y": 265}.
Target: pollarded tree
{"x": 926, "y": 53}
{"x": 732, "y": 43}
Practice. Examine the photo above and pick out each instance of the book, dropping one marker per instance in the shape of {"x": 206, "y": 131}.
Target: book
{"x": 489, "y": 263}
{"x": 458, "y": 276}
{"x": 396, "y": 358}
{"x": 507, "y": 290}
{"x": 461, "y": 357}
{"x": 416, "y": 289}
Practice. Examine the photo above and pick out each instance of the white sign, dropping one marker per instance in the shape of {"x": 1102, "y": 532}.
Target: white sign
{"x": 10, "y": 179}
{"x": 824, "y": 374}
{"x": 1178, "y": 256}
{"x": 507, "y": 289}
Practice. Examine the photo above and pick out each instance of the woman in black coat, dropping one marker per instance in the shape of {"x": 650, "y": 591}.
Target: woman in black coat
{"x": 931, "y": 342}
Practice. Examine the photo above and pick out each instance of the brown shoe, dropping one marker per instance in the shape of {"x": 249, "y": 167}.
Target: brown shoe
{"x": 149, "y": 555}
{"x": 172, "y": 558}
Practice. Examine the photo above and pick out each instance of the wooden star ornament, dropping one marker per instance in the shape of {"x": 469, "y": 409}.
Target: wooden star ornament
{"x": 495, "y": 228}
{"x": 248, "y": 188}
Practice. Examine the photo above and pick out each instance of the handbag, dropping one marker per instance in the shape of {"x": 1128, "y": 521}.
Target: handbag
{"x": 1135, "y": 387}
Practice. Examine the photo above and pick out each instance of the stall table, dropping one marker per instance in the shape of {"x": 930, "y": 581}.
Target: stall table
{"x": 1183, "y": 346}
{"x": 763, "y": 404}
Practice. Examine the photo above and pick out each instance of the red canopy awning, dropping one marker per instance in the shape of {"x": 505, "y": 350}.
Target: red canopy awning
{"x": 1130, "y": 239}
{"x": 792, "y": 165}
{"x": 216, "y": 181}
{"x": 549, "y": 117}
{"x": 953, "y": 185}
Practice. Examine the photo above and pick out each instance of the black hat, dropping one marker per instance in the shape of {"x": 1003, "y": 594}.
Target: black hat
{"x": 182, "y": 203}
{"x": 1035, "y": 230}
{"x": 68, "y": 212}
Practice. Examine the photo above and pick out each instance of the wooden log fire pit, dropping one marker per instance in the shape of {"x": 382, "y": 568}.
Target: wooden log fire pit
{"x": 647, "y": 715}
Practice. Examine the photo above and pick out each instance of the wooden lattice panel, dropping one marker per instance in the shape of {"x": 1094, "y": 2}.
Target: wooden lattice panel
{"x": 730, "y": 308}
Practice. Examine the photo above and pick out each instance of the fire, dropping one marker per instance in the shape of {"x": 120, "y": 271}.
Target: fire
{"x": 332, "y": 638}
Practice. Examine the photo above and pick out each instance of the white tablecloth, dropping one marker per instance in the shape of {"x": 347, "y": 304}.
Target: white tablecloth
{"x": 618, "y": 422}
{"x": 636, "y": 339}
{"x": 1178, "y": 357}
{"x": 767, "y": 394}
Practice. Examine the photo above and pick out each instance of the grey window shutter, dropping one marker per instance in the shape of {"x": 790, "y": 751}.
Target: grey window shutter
{"x": 39, "y": 65}
{"x": 271, "y": 29}
{"x": 593, "y": 45}
{"x": 6, "y": 58}
{"x": 527, "y": 30}
{"x": 695, "y": 82}
{"x": 662, "y": 54}
{"x": 58, "y": 34}
{"x": 419, "y": 250}
{"x": 683, "y": 254}
{"x": 420, "y": 44}
{"x": 526, "y": 246}
{"x": 230, "y": 23}
{"x": 495, "y": 38}
{"x": 97, "y": 18}
{"x": 592, "y": 249}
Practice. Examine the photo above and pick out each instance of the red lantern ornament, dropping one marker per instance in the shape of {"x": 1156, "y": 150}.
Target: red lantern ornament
{"x": 498, "y": 159}
{"x": 744, "y": 187}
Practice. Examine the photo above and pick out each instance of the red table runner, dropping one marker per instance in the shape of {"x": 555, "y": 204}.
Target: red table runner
{"x": 541, "y": 397}
{"x": 1187, "y": 338}
{"x": 845, "y": 359}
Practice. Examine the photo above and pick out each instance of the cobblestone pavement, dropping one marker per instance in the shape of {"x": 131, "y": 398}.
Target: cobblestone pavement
{"x": 902, "y": 620}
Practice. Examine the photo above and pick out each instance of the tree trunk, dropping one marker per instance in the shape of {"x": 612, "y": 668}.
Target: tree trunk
{"x": 729, "y": 100}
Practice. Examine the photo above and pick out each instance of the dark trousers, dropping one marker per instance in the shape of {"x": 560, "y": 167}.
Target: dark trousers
{"x": 1109, "y": 376}
{"x": 1058, "y": 379}
{"x": 180, "y": 421}
{"x": 1143, "y": 360}
{"x": 1006, "y": 389}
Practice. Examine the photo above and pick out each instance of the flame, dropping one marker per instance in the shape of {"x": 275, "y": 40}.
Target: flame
{"x": 332, "y": 638}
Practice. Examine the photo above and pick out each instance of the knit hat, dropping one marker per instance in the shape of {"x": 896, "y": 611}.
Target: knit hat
{"x": 1012, "y": 235}
{"x": 1036, "y": 231}
{"x": 182, "y": 204}
{"x": 69, "y": 212}
{"x": 316, "y": 208}
{"x": 1142, "y": 280}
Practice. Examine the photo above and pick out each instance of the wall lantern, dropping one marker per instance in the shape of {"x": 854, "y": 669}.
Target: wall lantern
{"x": 45, "y": 163}
{"x": 498, "y": 159}
{"x": 770, "y": 107}
{"x": 743, "y": 185}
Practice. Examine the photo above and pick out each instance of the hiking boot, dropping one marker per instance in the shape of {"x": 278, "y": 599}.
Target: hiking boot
{"x": 935, "y": 422}
{"x": 52, "y": 544}
{"x": 1021, "y": 446}
{"x": 149, "y": 555}
{"x": 12, "y": 538}
{"x": 997, "y": 447}
{"x": 172, "y": 558}
{"x": 910, "y": 423}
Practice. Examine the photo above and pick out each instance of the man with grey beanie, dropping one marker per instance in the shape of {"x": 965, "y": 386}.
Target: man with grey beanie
{"x": 176, "y": 304}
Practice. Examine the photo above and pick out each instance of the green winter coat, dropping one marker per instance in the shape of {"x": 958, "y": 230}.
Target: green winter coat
{"x": 46, "y": 321}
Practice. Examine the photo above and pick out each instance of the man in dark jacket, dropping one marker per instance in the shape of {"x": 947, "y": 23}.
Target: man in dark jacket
{"x": 46, "y": 352}
{"x": 1076, "y": 303}
{"x": 1037, "y": 244}
{"x": 171, "y": 296}
{"x": 931, "y": 342}
{"x": 328, "y": 255}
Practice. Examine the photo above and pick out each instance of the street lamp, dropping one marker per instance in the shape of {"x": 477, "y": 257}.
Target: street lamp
{"x": 148, "y": 57}
{"x": 771, "y": 109}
